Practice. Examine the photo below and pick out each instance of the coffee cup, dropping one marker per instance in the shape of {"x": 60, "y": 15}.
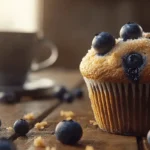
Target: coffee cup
{"x": 17, "y": 57}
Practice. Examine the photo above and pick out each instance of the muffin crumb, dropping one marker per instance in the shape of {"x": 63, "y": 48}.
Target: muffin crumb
{"x": 29, "y": 116}
{"x": 9, "y": 128}
{"x": 93, "y": 122}
{"x": 39, "y": 142}
{"x": 89, "y": 147}
{"x": 69, "y": 118}
{"x": 47, "y": 148}
{"x": 67, "y": 114}
{"x": 44, "y": 123}
{"x": 41, "y": 125}
{"x": 53, "y": 148}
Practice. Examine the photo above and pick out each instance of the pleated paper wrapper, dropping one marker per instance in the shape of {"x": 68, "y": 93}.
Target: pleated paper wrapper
{"x": 120, "y": 108}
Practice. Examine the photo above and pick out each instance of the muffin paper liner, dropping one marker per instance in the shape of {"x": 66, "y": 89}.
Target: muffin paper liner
{"x": 120, "y": 108}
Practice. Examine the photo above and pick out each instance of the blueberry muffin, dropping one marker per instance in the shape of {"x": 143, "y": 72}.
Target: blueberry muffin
{"x": 117, "y": 75}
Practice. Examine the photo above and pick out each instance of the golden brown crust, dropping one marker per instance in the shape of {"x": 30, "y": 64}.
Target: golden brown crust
{"x": 110, "y": 68}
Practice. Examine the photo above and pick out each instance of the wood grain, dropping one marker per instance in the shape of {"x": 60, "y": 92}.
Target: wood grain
{"x": 10, "y": 113}
{"x": 60, "y": 76}
{"x": 143, "y": 144}
{"x": 92, "y": 135}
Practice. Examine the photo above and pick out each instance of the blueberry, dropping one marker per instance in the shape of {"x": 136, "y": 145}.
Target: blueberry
{"x": 0, "y": 123}
{"x": 132, "y": 64}
{"x": 131, "y": 31}
{"x": 133, "y": 74}
{"x": 103, "y": 43}
{"x": 8, "y": 97}
{"x": 59, "y": 91}
{"x": 6, "y": 144}
{"x": 21, "y": 127}
{"x": 133, "y": 60}
{"x": 148, "y": 137}
{"x": 68, "y": 132}
{"x": 78, "y": 93}
{"x": 68, "y": 97}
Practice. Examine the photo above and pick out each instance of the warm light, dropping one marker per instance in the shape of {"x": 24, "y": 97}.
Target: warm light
{"x": 19, "y": 15}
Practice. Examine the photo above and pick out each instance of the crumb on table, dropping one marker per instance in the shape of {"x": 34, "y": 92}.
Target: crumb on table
{"x": 69, "y": 118}
{"x": 47, "y": 148}
{"x": 41, "y": 125}
{"x": 67, "y": 114}
{"x": 9, "y": 128}
{"x": 29, "y": 116}
{"x": 39, "y": 142}
{"x": 89, "y": 147}
{"x": 44, "y": 123}
{"x": 93, "y": 122}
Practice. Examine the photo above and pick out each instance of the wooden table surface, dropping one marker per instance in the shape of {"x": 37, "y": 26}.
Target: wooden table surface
{"x": 49, "y": 110}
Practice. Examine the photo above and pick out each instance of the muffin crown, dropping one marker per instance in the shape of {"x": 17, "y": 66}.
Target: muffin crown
{"x": 127, "y": 61}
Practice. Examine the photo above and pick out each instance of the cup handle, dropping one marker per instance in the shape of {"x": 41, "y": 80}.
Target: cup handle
{"x": 48, "y": 62}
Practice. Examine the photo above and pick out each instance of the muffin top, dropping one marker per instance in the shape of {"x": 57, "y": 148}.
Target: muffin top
{"x": 126, "y": 59}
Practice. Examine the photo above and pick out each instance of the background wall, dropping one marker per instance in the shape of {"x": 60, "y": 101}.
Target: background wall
{"x": 71, "y": 24}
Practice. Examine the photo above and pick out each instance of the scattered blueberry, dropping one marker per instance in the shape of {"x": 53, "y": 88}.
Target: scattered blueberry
{"x": 68, "y": 132}
{"x": 131, "y": 31}
{"x": 6, "y": 144}
{"x": 78, "y": 93}
{"x": 103, "y": 43}
{"x": 59, "y": 91}
{"x": 21, "y": 127}
{"x": 8, "y": 97}
{"x": 132, "y": 65}
{"x": 68, "y": 97}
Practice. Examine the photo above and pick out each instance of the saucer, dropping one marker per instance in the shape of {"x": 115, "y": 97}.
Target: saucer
{"x": 32, "y": 87}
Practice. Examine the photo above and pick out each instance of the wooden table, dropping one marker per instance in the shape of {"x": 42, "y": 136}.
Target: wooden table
{"x": 49, "y": 110}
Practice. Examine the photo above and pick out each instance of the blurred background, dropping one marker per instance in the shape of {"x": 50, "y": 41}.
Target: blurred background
{"x": 71, "y": 24}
